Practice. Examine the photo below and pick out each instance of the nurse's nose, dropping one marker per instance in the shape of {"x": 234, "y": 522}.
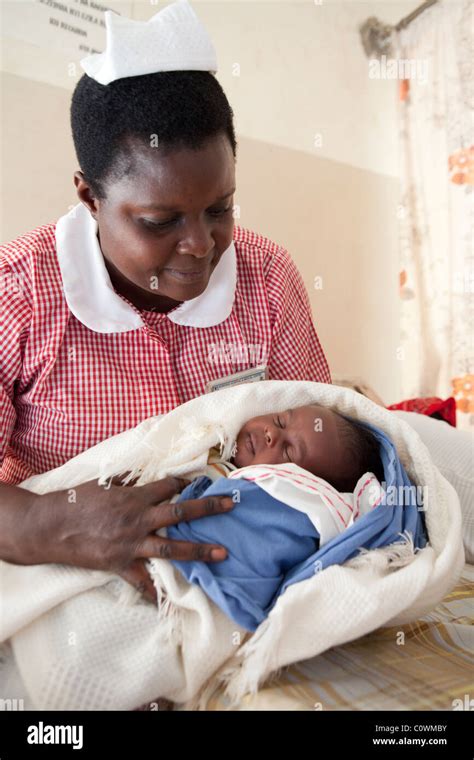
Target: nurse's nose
{"x": 197, "y": 241}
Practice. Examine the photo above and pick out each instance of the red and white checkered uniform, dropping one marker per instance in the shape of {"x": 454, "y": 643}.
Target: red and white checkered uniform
{"x": 65, "y": 387}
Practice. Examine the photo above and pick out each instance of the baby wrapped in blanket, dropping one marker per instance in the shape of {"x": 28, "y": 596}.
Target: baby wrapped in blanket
{"x": 309, "y": 487}
{"x": 128, "y": 652}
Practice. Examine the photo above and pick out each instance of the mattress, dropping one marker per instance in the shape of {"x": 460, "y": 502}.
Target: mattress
{"x": 424, "y": 665}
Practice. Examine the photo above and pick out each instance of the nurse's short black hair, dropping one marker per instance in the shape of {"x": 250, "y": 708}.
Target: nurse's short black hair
{"x": 182, "y": 108}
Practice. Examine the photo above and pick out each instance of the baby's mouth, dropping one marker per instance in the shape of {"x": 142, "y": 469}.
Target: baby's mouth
{"x": 249, "y": 444}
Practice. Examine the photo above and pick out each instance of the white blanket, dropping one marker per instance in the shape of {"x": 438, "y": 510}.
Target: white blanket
{"x": 85, "y": 640}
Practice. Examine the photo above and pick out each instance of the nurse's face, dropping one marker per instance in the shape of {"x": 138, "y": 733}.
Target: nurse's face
{"x": 164, "y": 226}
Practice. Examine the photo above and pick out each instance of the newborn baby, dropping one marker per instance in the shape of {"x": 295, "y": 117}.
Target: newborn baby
{"x": 301, "y": 482}
{"x": 314, "y": 437}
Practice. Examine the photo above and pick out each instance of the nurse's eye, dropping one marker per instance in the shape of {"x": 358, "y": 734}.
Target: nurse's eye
{"x": 220, "y": 211}
{"x": 151, "y": 225}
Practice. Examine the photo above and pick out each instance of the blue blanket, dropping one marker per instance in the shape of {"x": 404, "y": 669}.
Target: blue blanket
{"x": 271, "y": 545}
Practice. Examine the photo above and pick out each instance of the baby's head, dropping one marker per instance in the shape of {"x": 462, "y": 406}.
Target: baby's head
{"x": 315, "y": 438}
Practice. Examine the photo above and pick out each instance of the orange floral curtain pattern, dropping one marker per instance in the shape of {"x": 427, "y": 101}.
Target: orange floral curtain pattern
{"x": 436, "y": 213}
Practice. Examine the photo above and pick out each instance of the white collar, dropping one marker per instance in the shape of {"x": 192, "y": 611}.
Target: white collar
{"x": 92, "y": 299}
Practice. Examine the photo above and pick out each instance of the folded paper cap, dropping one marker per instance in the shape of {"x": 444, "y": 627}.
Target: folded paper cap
{"x": 172, "y": 40}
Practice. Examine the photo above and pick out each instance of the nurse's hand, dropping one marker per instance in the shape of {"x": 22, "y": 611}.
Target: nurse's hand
{"x": 114, "y": 528}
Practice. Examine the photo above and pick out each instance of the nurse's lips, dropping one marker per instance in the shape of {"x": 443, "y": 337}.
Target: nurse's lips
{"x": 187, "y": 275}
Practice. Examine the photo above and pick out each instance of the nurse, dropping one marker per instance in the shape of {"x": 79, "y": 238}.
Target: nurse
{"x": 135, "y": 300}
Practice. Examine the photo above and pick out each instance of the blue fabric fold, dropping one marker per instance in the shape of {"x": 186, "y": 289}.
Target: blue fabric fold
{"x": 271, "y": 545}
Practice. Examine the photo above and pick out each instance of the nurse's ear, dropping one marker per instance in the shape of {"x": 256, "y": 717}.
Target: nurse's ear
{"x": 85, "y": 193}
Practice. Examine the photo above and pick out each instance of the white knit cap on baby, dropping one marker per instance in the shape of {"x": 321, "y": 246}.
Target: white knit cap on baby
{"x": 172, "y": 40}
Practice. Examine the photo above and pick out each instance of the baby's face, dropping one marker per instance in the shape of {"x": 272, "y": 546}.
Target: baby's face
{"x": 307, "y": 436}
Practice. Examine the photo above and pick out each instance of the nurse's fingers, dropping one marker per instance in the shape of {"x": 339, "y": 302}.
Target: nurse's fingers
{"x": 190, "y": 509}
{"x": 167, "y": 486}
{"x": 137, "y": 574}
{"x": 161, "y": 490}
{"x": 117, "y": 480}
{"x": 166, "y": 548}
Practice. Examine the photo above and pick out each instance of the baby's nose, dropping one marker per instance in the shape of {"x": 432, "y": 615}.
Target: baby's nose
{"x": 270, "y": 437}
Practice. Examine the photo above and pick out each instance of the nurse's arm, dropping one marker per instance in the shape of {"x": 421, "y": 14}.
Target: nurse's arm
{"x": 16, "y": 532}
{"x": 105, "y": 528}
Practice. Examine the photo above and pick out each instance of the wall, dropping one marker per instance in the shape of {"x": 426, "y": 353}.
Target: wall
{"x": 317, "y": 157}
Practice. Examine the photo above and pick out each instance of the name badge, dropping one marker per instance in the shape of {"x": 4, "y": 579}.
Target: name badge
{"x": 252, "y": 375}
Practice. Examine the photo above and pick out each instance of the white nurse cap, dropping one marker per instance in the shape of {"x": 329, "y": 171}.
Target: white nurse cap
{"x": 172, "y": 40}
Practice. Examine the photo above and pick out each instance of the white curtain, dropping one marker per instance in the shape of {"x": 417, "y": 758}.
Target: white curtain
{"x": 436, "y": 213}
